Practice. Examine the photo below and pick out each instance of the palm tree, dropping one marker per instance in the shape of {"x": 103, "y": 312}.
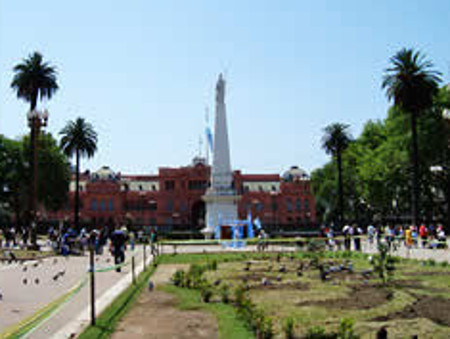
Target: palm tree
{"x": 80, "y": 139}
{"x": 34, "y": 79}
{"x": 412, "y": 84}
{"x": 335, "y": 140}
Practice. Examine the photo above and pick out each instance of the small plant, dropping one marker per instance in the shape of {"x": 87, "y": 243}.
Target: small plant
{"x": 383, "y": 263}
{"x": 288, "y": 328}
{"x": 346, "y": 329}
{"x": 178, "y": 278}
{"x": 225, "y": 293}
{"x": 318, "y": 332}
{"x": 239, "y": 295}
{"x": 267, "y": 328}
{"x": 206, "y": 291}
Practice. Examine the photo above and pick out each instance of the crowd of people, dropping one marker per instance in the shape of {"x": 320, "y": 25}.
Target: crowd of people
{"x": 67, "y": 240}
{"x": 394, "y": 236}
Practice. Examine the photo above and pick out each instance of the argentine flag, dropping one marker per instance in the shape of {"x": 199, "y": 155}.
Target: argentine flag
{"x": 209, "y": 137}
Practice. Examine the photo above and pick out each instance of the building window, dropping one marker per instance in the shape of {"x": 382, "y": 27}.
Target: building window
{"x": 196, "y": 184}
{"x": 298, "y": 205}
{"x": 289, "y": 220}
{"x": 274, "y": 188}
{"x": 152, "y": 205}
{"x": 260, "y": 188}
{"x": 307, "y": 204}
{"x": 80, "y": 188}
{"x": 246, "y": 188}
{"x": 182, "y": 206}
{"x": 140, "y": 187}
{"x": 102, "y": 205}
{"x": 299, "y": 220}
{"x": 170, "y": 185}
{"x": 126, "y": 187}
{"x": 289, "y": 205}
{"x": 154, "y": 187}
{"x": 169, "y": 205}
{"x": 110, "y": 205}
{"x": 94, "y": 205}
{"x": 259, "y": 206}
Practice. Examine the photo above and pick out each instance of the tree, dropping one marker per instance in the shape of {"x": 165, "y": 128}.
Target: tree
{"x": 412, "y": 84}
{"x": 334, "y": 142}
{"x": 80, "y": 139}
{"x": 53, "y": 181}
{"x": 34, "y": 79}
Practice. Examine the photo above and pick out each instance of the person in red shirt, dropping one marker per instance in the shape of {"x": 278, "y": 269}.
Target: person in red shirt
{"x": 423, "y": 232}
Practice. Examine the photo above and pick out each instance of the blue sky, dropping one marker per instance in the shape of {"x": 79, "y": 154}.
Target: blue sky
{"x": 143, "y": 72}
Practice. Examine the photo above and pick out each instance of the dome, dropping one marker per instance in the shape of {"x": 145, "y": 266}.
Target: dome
{"x": 104, "y": 173}
{"x": 295, "y": 174}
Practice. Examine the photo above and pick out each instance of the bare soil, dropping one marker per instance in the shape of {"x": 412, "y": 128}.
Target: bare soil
{"x": 155, "y": 315}
{"x": 362, "y": 297}
{"x": 434, "y": 308}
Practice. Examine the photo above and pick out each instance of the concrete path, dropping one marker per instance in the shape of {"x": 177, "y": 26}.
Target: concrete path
{"x": 26, "y": 290}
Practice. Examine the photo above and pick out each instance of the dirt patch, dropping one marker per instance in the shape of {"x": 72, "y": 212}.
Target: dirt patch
{"x": 166, "y": 271}
{"x": 291, "y": 285}
{"x": 428, "y": 274}
{"x": 361, "y": 298}
{"x": 155, "y": 316}
{"x": 434, "y": 308}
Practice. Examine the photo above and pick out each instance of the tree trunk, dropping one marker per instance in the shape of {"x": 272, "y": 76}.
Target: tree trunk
{"x": 415, "y": 163}
{"x": 340, "y": 189}
{"x": 77, "y": 191}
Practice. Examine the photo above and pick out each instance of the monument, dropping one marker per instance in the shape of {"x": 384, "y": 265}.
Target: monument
{"x": 221, "y": 197}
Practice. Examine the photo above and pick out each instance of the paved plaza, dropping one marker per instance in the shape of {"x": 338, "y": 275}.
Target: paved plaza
{"x": 30, "y": 286}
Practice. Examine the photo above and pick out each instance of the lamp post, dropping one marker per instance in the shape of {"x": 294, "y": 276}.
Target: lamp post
{"x": 446, "y": 116}
{"x": 36, "y": 120}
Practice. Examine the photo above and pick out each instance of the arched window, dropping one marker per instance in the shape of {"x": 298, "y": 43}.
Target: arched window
{"x": 307, "y": 204}
{"x": 102, "y": 205}
{"x": 93, "y": 204}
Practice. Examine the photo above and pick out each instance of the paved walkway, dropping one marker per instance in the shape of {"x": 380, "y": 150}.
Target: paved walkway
{"x": 26, "y": 290}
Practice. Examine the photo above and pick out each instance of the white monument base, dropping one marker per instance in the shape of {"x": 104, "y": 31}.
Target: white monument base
{"x": 219, "y": 210}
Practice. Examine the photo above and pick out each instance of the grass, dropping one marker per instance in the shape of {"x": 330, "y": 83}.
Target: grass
{"x": 282, "y": 303}
{"x": 230, "y": 326}
{"x": 107, "y": 321}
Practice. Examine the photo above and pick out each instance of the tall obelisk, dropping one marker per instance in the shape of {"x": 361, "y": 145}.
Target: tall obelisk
{"x": 221, "y": 198}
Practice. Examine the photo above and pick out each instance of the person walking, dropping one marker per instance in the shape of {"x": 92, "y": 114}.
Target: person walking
{"x": 423, "y": 233}
{"x": 118, "y": 242}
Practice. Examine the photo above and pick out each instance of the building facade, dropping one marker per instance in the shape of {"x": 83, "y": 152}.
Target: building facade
{"x": 173, "y": 199}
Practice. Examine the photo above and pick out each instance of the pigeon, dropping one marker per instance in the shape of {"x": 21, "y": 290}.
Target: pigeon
{"x": 265, "y": 282}
{"x": 1, "y": 296}
{"x": 55, "y": 277}
{"x": 36, "y": 264}
{"x": 278, "y": 278}
{"x": 36, "y": 281}
{"x": 282, "y": 269}
{"x": 25, "y": 281}
{"x": 299, "y": 273}
{"x": 13, "y": 256}
{"x": 151, "y": 286}
{"x": 24, "y": 269}
{"x": 217, "y": 282}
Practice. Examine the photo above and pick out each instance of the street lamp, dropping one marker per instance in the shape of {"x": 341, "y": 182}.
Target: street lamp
{"x": 36, "y": 120}
{"x": 446, "y": 116}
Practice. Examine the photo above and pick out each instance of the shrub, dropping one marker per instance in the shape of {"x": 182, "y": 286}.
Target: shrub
{"x": 239, "y": 295}
{"x": 225, "y": 293}
{"x": 346, "y": 329}
{"x": 178, "y": 278}
{"x": 318, "y": 332}
{"x": 383, "y": 263}
{"x": 267, "y": 328}
{"x": 288, "y": 328}
{"x": 206, "y": 291}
